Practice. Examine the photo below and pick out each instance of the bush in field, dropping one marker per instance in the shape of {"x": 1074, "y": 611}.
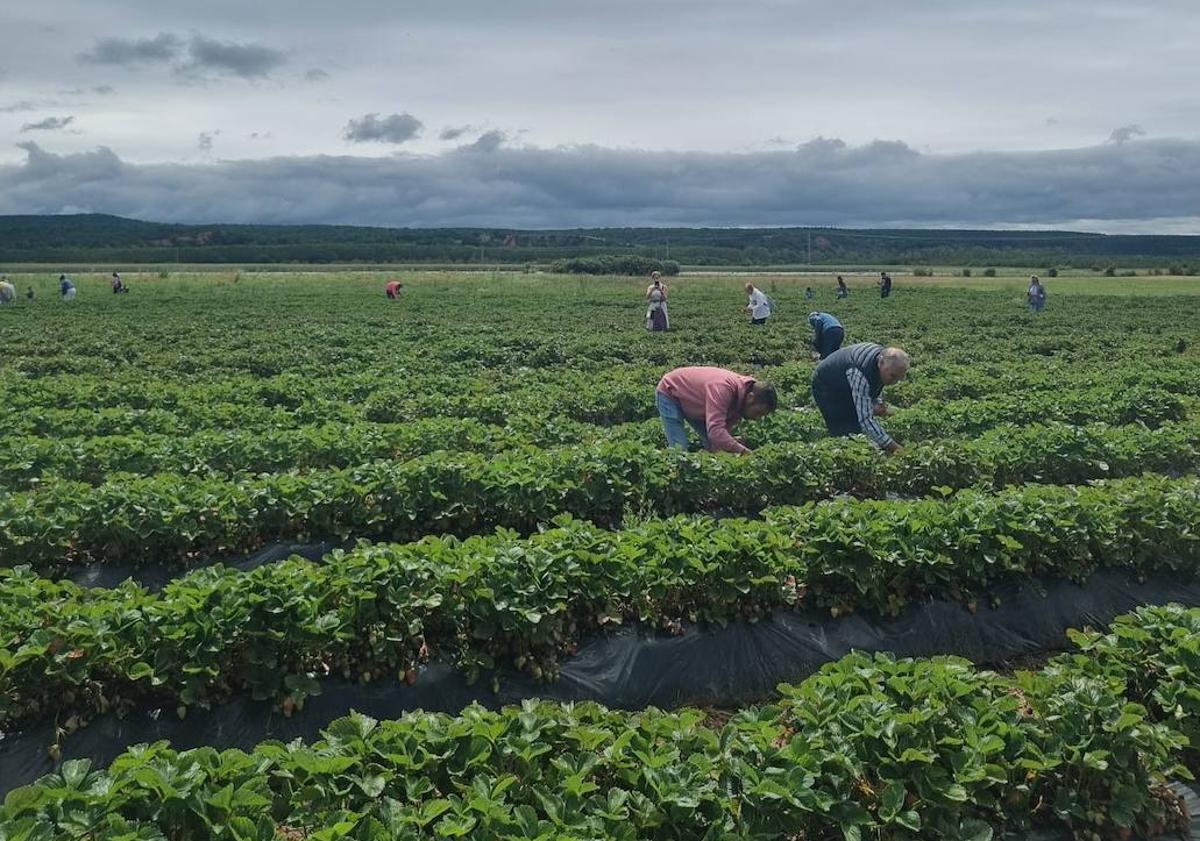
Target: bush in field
{"x": 619, "y": 264}
{"x": 989, "y": 272}
{"x": 921, "y": 271}
{"x": 966, "y": 272}
{"x": 1051, "y": 272}
{"x": 1111, "y": 271}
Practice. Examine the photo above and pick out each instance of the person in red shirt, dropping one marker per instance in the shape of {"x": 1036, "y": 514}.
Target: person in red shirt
{"x": 711, "y": 401}
{"x": 393, "y": 289}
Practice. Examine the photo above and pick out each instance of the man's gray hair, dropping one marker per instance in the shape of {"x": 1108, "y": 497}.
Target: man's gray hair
{"x": 894, "y": 356}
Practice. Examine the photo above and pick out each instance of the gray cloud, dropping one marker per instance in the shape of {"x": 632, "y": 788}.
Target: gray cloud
{"x": 489, "y": 141}
{"x": 23, "y": 105}
{"x": 454, "y": 132}
{"x": 1126, "y": 133}
{"x": 248, "y": 61}
{"x": 825, "y": 182}
{"x": 48, "y": 124}
{"x": 197, "y": 57}
{"x": 160, "y": 49}
{"x": 395, "y": 128}
{"x": 99, "y": 90}
{"x": 205, "y": 140}
{"x": 316, "y": 74}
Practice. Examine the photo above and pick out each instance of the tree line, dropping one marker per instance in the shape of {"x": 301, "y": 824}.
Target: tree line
{"x": 97, "y": 238}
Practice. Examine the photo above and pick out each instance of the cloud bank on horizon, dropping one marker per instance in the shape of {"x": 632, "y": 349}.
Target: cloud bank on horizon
{"x": 627, "y": 112}
{"x": 1134, "y": 186}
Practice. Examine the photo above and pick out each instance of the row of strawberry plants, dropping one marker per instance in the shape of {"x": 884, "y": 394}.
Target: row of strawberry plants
{"x": 572, "y": 395}
{"x": 27, "y": 460}
{"x": 1154, "y": 653}
{"x": 171, "y": 518}
{"x": 504, "y": 601}
{"x": 931, "y": 380}
{"x": 870, "y": 747}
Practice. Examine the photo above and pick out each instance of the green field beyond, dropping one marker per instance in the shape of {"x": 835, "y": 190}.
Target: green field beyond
{"x": 494, "y": 436}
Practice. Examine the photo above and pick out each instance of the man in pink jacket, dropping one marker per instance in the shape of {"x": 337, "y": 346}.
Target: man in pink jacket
{"x": 711, "y": 400}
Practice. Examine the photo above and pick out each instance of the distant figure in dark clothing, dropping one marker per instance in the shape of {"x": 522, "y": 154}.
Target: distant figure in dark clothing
{"x": 842, "y": 290}
{"x": 29, "y": 293}
{"x": 885, "y": 284}
{"x": 828, "y": 333}
{"x": 809, "y": 294}
{"x": 848, "y": 389}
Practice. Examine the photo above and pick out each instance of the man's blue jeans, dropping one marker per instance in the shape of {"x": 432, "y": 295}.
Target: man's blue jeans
{"x": 671, "y": 414}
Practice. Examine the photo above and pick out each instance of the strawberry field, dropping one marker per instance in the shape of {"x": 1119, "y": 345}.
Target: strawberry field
{"x": 487, "y": 456}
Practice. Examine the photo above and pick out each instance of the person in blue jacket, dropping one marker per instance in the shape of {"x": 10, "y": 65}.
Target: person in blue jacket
{"x": 828, "y": 333}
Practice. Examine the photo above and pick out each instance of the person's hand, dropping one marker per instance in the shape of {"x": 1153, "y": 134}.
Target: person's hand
{"x": 893, "y": 449}
{"x": 882, "y": 410}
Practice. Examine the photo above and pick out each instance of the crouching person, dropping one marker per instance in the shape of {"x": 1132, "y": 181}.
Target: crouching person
{"x": 711, "y": 401}
{"x": 848, "y": 389}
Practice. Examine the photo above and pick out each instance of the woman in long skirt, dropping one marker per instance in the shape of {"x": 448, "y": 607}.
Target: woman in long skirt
{"x": 656, "y": 312}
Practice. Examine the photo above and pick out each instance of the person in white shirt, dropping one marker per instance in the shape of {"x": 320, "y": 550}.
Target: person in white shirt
{"x": 759, "y": 306}
{"x": 8, "y": 292}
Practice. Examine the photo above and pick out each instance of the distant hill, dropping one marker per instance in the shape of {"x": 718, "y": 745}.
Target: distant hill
{"x": 98, "y": 238}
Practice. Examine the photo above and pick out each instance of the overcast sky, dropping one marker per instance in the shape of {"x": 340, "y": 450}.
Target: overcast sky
{"x": 557, "y": 113}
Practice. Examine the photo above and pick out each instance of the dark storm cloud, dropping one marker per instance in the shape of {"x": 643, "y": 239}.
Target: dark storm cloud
{"x": 48, "y": 124}
{"x": 160, "y": 49}
{"x": 395, "y": 128}
{"x": 316, "y": 74}
{"x": 249, "y": 61}
{"x": 204, "y": 142}
{"x": 825, "y": 182}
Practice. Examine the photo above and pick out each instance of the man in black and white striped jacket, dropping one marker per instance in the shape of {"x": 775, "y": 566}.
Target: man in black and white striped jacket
{"x": 848, "y": 389}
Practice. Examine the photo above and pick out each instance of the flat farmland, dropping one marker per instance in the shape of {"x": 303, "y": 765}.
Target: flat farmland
{"x": 486, "y": 456}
